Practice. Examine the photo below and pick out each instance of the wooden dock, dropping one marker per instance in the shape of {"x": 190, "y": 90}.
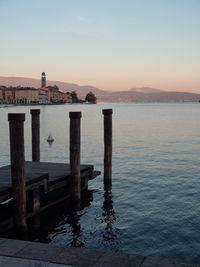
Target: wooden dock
{"x": 47, "y": 174}
{"x": 47, "y": 183}
{"x": 27, "y": 187}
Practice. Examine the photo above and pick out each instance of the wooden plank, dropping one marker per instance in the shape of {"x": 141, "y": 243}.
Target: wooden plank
{"x": 5, "y": 194}
{"x": 32, "y": 175}
{"x": 51, "y": 175}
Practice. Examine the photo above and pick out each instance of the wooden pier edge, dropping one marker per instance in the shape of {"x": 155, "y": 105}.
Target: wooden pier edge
{"x": 22, "y": 186}
{"x": 51, "y": 181}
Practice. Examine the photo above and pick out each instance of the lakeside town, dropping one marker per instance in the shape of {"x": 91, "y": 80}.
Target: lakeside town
{"x": 44, "y": 95}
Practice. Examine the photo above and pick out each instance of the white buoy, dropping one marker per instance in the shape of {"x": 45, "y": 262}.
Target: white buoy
{"x": 50, "y": 138}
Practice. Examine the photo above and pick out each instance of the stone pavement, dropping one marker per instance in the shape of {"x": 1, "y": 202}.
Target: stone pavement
{"x": 15, "y": 262}
{"x": 14, "y": 253}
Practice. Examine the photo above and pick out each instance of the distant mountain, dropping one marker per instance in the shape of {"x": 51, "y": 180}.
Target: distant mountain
{"x": 146, "y": 90}
{"x": 142, "y": 95}
{"x": 128, "y": 96}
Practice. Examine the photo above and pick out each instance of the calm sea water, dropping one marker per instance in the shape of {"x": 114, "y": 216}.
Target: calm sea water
{"x": 154, "y": 205}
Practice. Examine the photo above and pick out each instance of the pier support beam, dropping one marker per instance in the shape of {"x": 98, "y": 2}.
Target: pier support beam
{"x": 35, "y": 124}
{"x": 16, "y": 124}
{"x": 33, "y": 200}
{"x": 107, "y": 147}
{"x": 75, "y": 127}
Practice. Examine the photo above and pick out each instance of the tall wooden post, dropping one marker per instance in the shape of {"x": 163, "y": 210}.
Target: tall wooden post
{"x": 75, "y": 127}
{"x": 16, "y": 123}
{"x": 35, "y": 124}
{"x": 107, "y": 147}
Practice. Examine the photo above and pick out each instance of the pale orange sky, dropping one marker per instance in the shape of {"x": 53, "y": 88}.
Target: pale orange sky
{"x": 113, "y": 45}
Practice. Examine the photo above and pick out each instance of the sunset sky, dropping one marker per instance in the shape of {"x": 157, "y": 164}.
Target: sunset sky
{"x": 110, "y": 44}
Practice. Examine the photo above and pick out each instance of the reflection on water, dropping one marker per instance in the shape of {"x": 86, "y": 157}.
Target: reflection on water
{"x": 62, "y": 219}
{"x": 74, "y": 221}
{"x": 108, "y": 210}
{"x": 62, "y": 224}
{"x": 50, "y": 144}
{"x": 153, "y": 208}
{"x": 108, "y": 216}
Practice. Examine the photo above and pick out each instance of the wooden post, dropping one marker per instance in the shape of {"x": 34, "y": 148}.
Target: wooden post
{"x": 16, "y": 123}
{"x": 33, "y": 200}
{"x": 35, "y": 123}
{"x": 107, "y": 147}
{"x": 75, "y": 126}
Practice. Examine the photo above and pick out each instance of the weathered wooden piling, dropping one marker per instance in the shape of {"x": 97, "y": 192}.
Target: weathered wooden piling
{"x": 33, "y": 199}
{"x": 16, "y": 125}
{"x": 35, "y": 124}
{"x": 75, "y": 127}
{"x": 107, "y": 147}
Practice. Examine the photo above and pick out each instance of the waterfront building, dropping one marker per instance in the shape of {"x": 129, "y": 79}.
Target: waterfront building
{"x": 53, "y": 95}
{"x": 14, "y": 95}
{"x": 9, "y": 95}
{"x": 1, "y": 96}
{"x": 2, "y": 93}
{"x": 29, "y": 95}
{"x": 63, "y": 97}
{"x": 50, "y": 94}
{"x": 43, "y": 95}
{"x": 26, "y": 95}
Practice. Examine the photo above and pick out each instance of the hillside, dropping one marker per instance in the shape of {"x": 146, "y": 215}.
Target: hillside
{"x": 145, "y": 94}
{"x": 128, "y": 96}
{"x": 146, "y": 90}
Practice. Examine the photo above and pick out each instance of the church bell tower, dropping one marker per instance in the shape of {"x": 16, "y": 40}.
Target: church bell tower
{"x": 43, "y": 80}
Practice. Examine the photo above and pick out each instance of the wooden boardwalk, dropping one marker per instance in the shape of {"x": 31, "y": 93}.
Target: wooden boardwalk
{"x": 47, "y": 174}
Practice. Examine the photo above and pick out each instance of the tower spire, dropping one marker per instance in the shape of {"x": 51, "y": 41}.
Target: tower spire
{"x": 43, "y": 80}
